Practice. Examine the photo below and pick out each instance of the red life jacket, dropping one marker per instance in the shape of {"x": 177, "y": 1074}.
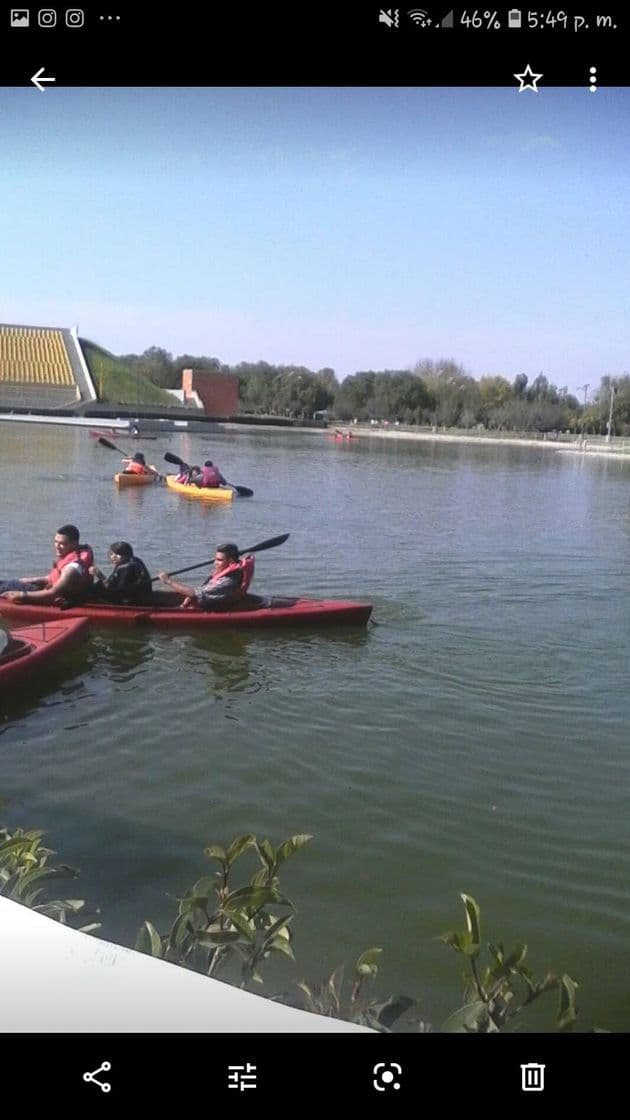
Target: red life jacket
{"x": 210, "y": 477}
{"x": 83, "y": 555}
{"x": 246, "y": 566}
{"x": 135, "y": 468}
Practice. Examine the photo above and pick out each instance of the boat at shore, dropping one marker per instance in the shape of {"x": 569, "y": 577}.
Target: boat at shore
{"x": 166, "y": 610}
{"x": 203, "y": 493}
{"x": 31, "y": 647}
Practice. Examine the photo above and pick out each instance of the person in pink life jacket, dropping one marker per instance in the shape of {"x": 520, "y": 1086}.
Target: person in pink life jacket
{"x": 211, "y": 476}
{"x": 227, "y": 583}
{"x": 69, "y": 579}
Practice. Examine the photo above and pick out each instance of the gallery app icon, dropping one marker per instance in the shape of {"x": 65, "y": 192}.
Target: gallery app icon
{"x": 20, "y": 17}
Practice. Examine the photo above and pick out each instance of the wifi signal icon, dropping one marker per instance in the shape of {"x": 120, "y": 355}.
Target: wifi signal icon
{"x": 419, "y": 17}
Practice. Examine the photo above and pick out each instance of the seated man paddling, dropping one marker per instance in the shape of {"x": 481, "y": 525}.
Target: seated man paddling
{"x": 227, "y": 584}
{"x": 68, "y": 581}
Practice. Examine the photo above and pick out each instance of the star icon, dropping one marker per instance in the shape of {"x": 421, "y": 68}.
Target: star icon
{"x": 528, "y": 79}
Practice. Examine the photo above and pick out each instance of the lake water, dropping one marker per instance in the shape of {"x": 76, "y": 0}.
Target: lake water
{"x": 475, "y": 739}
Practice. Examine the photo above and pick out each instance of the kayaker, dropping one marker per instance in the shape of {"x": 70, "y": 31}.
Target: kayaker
{"x": 228, "y": 582}
{"x": 211, "y": 476}
{"x": 137, "y": 465}
{"x": 69, "y": 579}
{"x": 193, "y": 476}
{"x": 129, "y": 582}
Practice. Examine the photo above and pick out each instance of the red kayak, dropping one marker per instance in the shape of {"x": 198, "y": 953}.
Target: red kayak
{"x": 165, "y": 610}
{"x": 30, "y": 647}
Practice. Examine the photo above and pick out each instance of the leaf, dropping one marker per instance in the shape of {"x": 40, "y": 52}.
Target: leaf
{"x": 518, "y": 954}
{"x": 252, "y": 897}
{"x": 278, "y": 928}
{"x": 204, "y": 887}
{"x": 244, "y": 924}
{"x": 91, "y": 928}
{"x": 148, "y": 940}
{"x": 215, "y": 851}
{"x": 240, "y": 845}
{"x": 391, "y": 1009}
{"x": 179, "y": 931}
{"x": 453, "y": 940}
{"x": 279, "y": 945}
{"x": 367, "y": 964}
{"x": 209, "y": 939}
{"x": 567, "y": 1011}
{"x": 290, "y": 846}
{"x": 472, "y": 1017}
{"x": 266, "y": 853}
{"x": 473, "y": 922}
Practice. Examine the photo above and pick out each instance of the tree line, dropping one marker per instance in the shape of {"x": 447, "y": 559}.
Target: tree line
{"x": 438, "y": 393}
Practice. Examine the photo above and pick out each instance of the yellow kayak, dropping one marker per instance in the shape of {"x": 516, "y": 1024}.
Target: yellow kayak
{"x": 123, "y": 479}
{"x": 205, "y": 493}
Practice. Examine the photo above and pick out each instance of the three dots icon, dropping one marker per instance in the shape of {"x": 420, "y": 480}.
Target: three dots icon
{"x": 592, "y": 81}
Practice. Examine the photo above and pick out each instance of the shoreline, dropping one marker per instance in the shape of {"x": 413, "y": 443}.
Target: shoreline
{"x": 619, "y": 448}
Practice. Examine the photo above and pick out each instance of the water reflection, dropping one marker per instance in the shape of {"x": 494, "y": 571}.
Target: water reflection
{"x": 122, "y": 654}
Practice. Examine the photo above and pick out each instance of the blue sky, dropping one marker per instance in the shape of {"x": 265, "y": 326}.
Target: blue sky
{"x": 355, "y": 228}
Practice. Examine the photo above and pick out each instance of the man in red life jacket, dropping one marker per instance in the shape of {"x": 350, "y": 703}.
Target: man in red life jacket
{"x": 227, "y": 584}
{"x": 68, "y": 580}
{"x": 137, "y": 465}
{"x": 211, "y": 476}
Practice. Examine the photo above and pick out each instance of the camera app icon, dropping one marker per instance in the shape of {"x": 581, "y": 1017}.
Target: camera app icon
{"x": 385, "y": 1076}
{"x": 47, "y": 17}
{"x": 75, "y": 17}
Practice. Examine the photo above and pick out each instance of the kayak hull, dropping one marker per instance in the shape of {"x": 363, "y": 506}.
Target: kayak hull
{"x": 123, "y": 480}
{"x": 203, "y": 493}
{"x": 36, "y": 645}
{"x": 252, "y": 611}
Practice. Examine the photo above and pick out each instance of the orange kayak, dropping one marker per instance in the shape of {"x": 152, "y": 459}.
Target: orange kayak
{"x": 123, "y": 479}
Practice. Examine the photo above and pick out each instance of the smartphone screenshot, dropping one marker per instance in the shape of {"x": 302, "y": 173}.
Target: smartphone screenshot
{"x": 315, "y": 434}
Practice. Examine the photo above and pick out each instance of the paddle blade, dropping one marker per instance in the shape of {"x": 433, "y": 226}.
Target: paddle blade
{"x": 171, "y": 458}
{"x": 242, "y": 491}
{"x": 273, "y": 542}
{"x": 107, "y": 443}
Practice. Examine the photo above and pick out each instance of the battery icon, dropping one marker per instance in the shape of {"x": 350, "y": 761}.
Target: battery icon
{"x": 514, "y": 18}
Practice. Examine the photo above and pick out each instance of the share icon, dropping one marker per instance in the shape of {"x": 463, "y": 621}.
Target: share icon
{"x": 103, "y": 1085}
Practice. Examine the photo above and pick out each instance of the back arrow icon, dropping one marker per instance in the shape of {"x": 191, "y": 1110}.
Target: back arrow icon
{"x": 37, "y": 79}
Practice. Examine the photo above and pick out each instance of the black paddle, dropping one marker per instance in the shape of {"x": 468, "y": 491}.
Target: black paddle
{"x": 242, "y": 491}
{"x": 125, "y": 454}
{"x": 273, "y": 542}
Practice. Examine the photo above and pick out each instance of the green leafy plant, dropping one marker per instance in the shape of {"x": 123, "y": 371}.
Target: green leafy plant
{"x": 25, "y": 874}
{"x": 341, "y": 999}
{"x": 218, "y": 923}
{"x": 499, "y": 991}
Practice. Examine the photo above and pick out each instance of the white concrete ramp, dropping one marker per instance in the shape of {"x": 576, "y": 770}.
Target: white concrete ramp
{"x": 55, "y": 980}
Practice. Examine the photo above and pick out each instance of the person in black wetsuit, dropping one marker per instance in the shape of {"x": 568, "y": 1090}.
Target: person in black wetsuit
{"x": 129, "y": 582}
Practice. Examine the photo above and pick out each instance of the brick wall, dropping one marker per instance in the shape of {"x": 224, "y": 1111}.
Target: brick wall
{"x": 217, "y": 391}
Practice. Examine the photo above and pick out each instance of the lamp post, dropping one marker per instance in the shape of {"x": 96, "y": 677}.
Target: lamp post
{"x": 610, "y": 414}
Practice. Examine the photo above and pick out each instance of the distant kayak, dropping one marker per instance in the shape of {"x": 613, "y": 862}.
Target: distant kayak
{"x": 205, "y": 493}
{"x": 123, "y": 479}
{"x": 30, "y": 647}
{"x": 252, "y": 610}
